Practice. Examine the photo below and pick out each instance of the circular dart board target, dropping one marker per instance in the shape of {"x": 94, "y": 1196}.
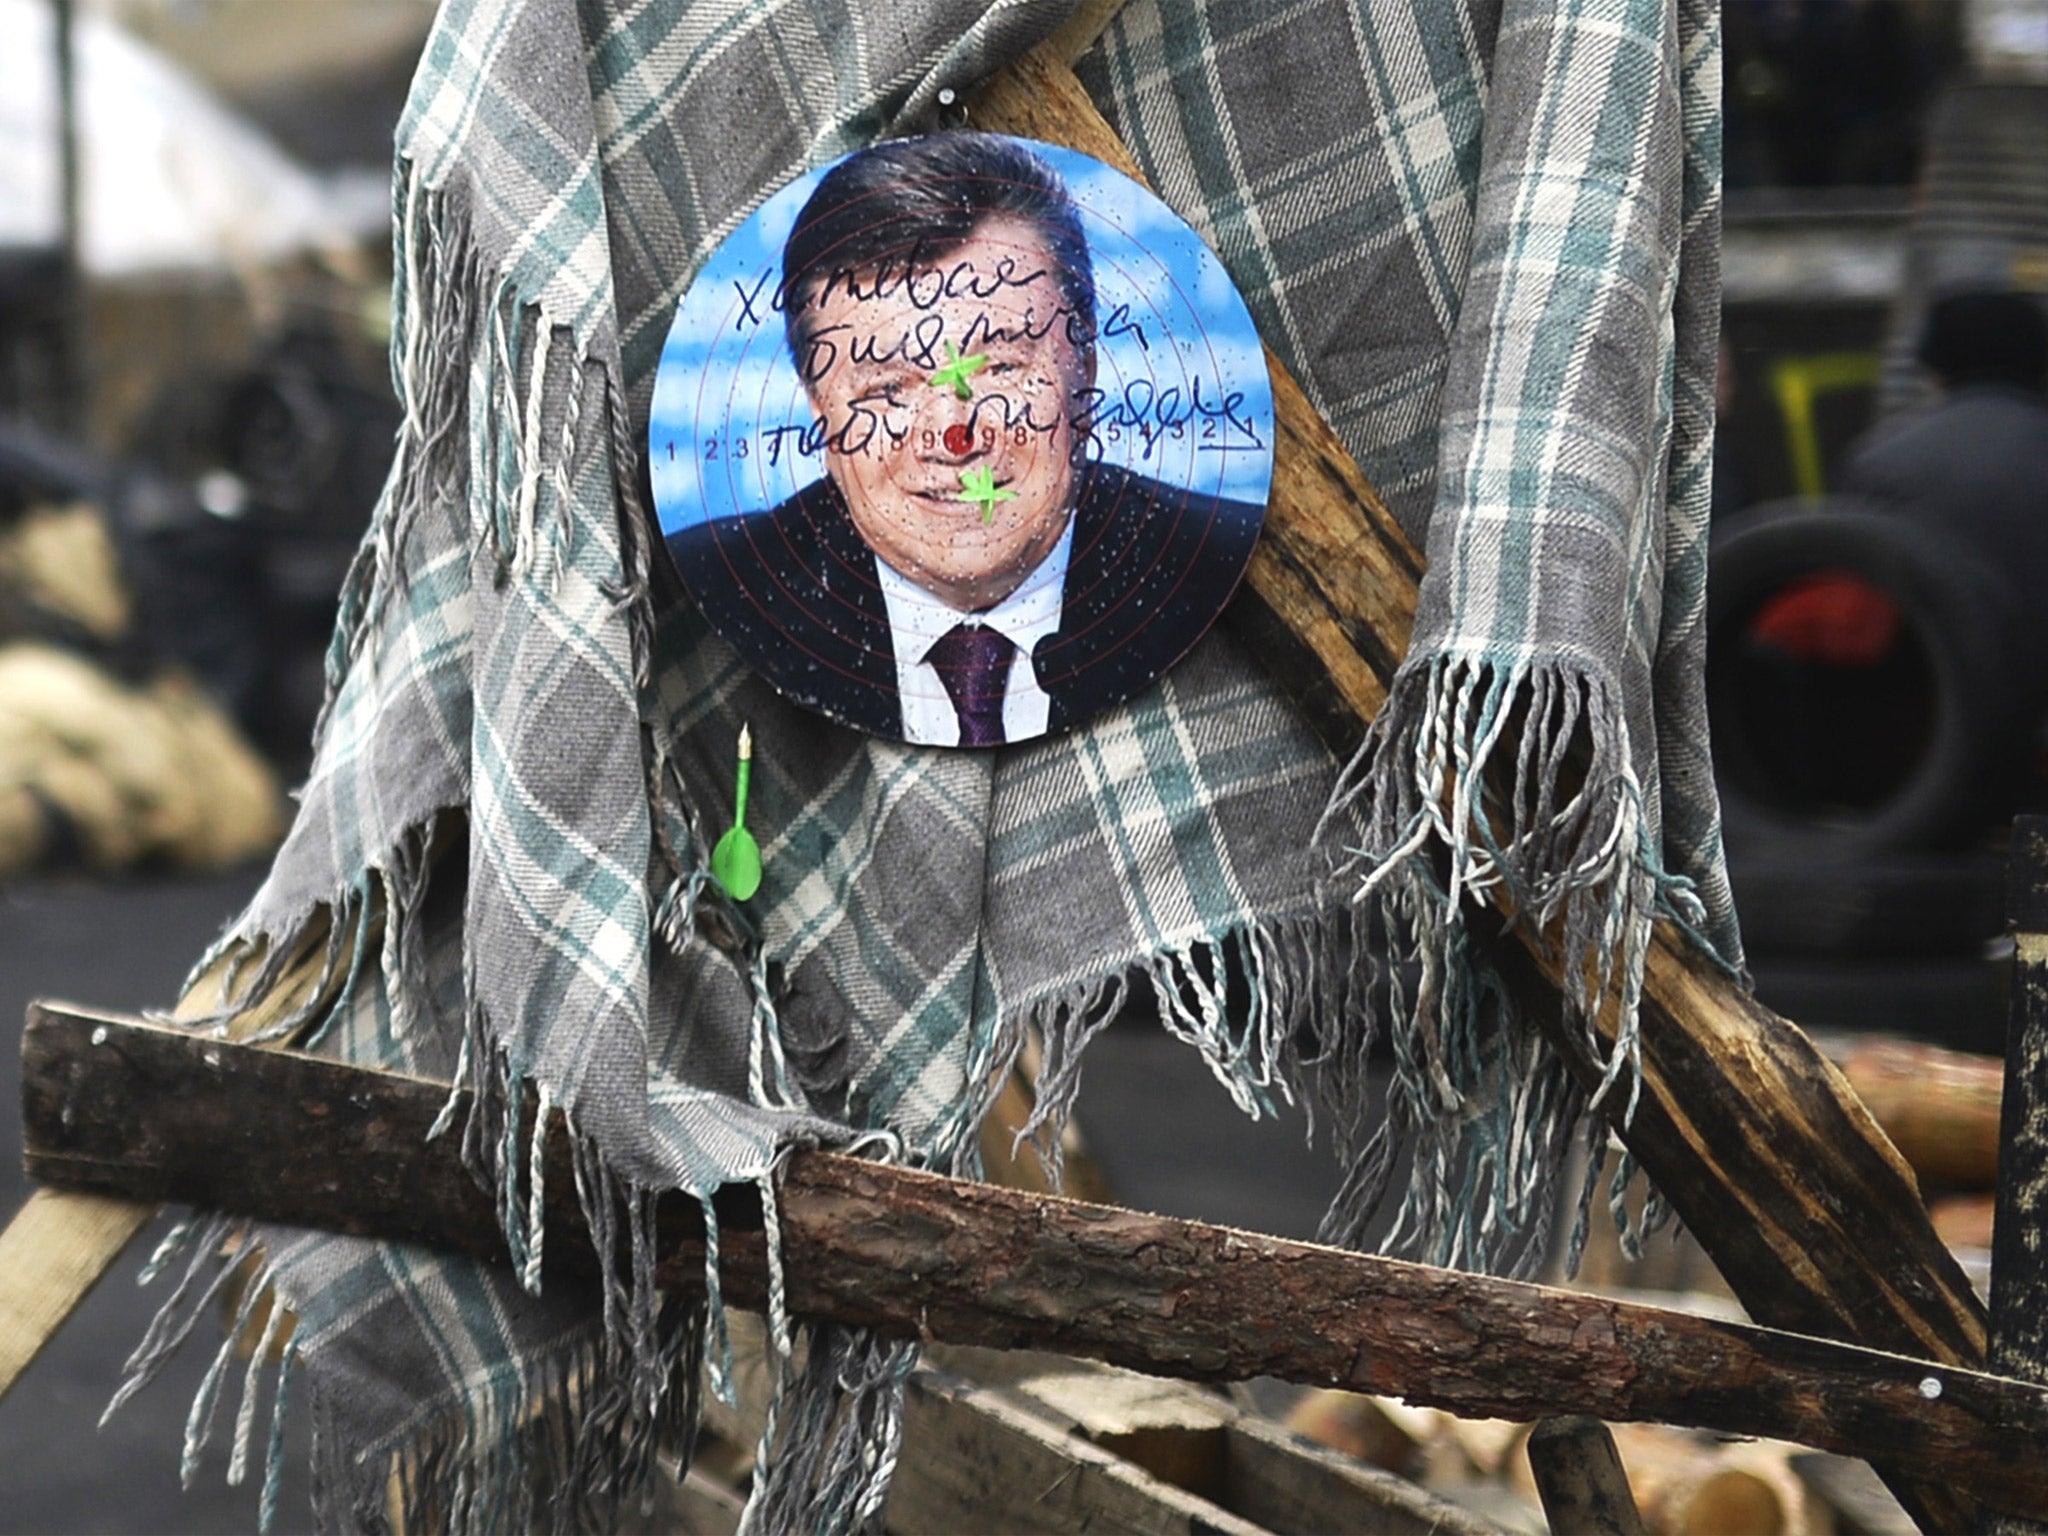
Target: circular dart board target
{"x": 962, "y": 439}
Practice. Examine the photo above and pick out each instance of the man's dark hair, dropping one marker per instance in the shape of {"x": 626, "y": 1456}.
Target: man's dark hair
{"x": 905, "y": 204}
{"x": 1986, "y": 338}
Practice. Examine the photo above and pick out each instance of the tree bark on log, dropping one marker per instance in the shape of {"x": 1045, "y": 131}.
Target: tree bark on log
{"x": 1756, "y": 1139}
{"x": 119, "y": 1106}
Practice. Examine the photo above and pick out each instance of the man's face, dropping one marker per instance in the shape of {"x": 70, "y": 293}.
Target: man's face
{"x": 904, "y": 451}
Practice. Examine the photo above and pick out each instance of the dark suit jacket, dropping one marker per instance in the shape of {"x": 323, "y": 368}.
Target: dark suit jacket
{"x": 795, "y": 590}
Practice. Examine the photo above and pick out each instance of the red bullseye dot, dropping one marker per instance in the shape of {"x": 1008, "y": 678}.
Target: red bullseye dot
{"x": 958, "y": 438}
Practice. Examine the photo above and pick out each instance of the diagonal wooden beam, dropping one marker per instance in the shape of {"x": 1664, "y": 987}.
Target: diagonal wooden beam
{"x": 1762, "y": 1147}
{"x": 52, "y": 1254}
{"x": 116, "y": 1105}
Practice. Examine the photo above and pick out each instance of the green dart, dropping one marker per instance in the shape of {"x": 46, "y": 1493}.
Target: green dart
{"x": 978, "y": 484}
{"x": 736, "y": 861}
{"x": 958, "y": 370}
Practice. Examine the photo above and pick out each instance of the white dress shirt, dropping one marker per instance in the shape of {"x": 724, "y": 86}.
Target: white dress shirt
{"x": 917, "y": 620}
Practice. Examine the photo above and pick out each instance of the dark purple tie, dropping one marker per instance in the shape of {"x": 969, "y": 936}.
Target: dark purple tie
{"x": 974, "y": 664}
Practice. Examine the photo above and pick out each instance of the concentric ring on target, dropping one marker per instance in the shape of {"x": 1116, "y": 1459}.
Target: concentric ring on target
{"x": 962, "y": 439}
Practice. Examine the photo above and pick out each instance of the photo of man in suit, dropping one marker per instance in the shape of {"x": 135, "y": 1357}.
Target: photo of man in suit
{"x": 965, "y": 573}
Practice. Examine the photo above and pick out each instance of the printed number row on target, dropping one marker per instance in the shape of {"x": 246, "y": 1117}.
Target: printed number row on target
{"x": 809, "y": 443}
{"x": 811, "y": 440}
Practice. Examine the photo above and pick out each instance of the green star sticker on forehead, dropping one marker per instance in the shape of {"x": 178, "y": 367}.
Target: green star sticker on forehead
{"x": 958, "y": 370}
{"x": 979, "y": 485}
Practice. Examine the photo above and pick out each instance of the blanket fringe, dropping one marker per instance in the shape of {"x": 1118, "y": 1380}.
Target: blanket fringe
{"x": 494, "y": 395}
{"x": 834, "y": 1431}
{"x": 1484, "y": 780}
{"x": 556, "y": 1442}
{"x": 556, "y": 1447}
{"x": 219, "y": 1254}
{"x": 253, "y": 955}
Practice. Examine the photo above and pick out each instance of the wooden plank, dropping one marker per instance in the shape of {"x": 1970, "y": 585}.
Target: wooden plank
{"x": 1286, "y": 1483}
{"x": 1175, "y": 1431}
{"x": 1859, "y": 1504}
{"x": 985, "y": 1464}
{"x": 1269, "y": 1475}
{"x": 51, "y": 1256}
{"x": 684, "y": 1501}
{"x": 135, "y": 1108}
{"x": 704, "y": 1508}
{"x": 1758, "y": 1142}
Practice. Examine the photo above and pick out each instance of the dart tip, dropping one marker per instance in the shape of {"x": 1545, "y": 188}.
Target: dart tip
{"x": 746, "y": 742}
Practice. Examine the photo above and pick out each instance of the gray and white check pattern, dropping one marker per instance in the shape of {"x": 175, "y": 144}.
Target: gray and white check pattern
{"x": 1483, "y": 237}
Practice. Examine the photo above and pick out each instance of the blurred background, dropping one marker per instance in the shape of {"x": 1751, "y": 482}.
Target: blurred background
{"x": 1880, "y": 537}
{"x": 196, "y": 417}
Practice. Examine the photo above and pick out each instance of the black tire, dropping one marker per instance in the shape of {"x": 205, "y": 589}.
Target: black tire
{"x": 1959, "y": 1003}
{"x": 1894, "y": 904}
{"x": 1918, "y": 751}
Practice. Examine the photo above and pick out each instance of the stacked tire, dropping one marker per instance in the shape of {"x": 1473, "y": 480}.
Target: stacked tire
{"x": 1874, "y": 700}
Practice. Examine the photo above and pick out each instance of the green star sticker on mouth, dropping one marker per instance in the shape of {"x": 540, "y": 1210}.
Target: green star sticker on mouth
{"x": 979, "y": 485}
{"x": 958, "y": 370}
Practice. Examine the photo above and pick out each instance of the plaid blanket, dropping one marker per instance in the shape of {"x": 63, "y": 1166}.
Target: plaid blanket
{"x": 1484, "y": 240}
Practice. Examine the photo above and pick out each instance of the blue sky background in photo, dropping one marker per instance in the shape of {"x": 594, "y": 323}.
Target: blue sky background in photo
{"x": 729, "y": 410}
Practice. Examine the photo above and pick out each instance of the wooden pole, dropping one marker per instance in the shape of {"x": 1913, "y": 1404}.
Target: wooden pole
{"x": 1758, "y": 1141}
{"x": 2019, "y": 1231}
{"x": 115, "y": 1105}
{"x": 1579, "y": 1478}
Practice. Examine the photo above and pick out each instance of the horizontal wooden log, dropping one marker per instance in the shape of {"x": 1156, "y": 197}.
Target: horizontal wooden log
{"x": 1758, "y": 1142}
{"x": 117, "y": 1106}
{"x": 1939, "y": 1107}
